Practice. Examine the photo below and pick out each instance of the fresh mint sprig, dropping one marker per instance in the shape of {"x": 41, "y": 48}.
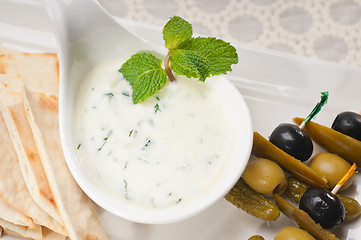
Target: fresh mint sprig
{"x": 198, "y": 57}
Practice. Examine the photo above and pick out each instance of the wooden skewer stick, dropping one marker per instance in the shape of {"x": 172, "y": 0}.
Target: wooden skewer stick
{"x": 302, "y": 125}
{"x": 347, "y": 175}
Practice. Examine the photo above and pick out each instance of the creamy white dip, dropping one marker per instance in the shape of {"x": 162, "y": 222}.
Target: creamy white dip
{"x": 162, "y": 152}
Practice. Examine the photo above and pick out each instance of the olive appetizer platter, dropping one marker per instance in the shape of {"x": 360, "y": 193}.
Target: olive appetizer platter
{"x": 323, "y": 170}
{"x": 278, "y": 88}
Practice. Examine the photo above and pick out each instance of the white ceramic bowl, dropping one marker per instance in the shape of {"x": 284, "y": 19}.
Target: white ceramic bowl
{"x": 232, "y": 171}
{"x": 85, "y": 44}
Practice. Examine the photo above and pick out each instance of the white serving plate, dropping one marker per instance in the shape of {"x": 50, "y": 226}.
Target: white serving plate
{"x": 276, "y": 87}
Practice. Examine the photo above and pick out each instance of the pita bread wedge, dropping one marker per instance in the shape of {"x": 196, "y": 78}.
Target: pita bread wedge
{"x": 75, "y": 207}
{"x": 39, "y": 71}
{"x": 21, "y": 231}
{"x": 15, "y": 234}
{"x": 12, "y": 185}
{"x": 12, "y": 107}
{"x": 10, "y": 214}
{"x": 7, "y": 50}
{"x": 51, "y": 235}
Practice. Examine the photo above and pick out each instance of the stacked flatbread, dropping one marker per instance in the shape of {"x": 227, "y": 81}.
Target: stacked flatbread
{"x": 39, "y": 199}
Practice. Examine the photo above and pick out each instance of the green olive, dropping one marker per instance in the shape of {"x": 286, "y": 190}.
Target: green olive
{"x": 332, "y": 167}
{"x": 265, "y": 176}
{"x": 293, "y": 233}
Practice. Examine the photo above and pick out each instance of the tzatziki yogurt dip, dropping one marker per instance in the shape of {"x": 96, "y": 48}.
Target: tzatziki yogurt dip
{"x": 162, "y": 152}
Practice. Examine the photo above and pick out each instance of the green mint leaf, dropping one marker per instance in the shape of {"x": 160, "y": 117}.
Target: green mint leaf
{"x": 144, "y": 73}
{"x": 138, "y": 64}
{"x": 217, "y": 54}
{"x": 189, "y": 63}
{"x": 176, "y": 31}
{"x": 148, "y": 84}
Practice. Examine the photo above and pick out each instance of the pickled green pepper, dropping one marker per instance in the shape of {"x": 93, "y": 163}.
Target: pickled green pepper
{"x": 263, "y": 148}
{"x": 334, "y": 141}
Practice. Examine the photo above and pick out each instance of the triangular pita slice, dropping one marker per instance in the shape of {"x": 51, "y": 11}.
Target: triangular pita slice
{"x": 10, "y": 214}
{"x": 7, "y": 50}
{"x": 21, "y": 231}
{"x": 13, "y": 109}
{"x": 76, "y": 209}
{"x": 51, "y": 235}
{"x": 39, "y": 71}
{"x": 12, "y": 185}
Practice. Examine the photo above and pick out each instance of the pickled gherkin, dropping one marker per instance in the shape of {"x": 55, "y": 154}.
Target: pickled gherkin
{"x": 333, "y": 141}
{"x": 263, "y": 148}
{"x": 297, "y": 188}
{"x": 352, "y": 207}
{"x": 256, "y": 237}
{"x": 247, "y": 199}
{"x": 303, "y": 220}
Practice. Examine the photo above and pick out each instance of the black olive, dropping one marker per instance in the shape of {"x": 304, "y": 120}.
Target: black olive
{"x": 348, "y": 123}
{"x": 292, "y": 140}
{"x": 323, "y": 207}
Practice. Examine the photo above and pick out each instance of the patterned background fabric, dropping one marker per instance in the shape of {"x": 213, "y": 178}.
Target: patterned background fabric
{"x": 324, "y": 29}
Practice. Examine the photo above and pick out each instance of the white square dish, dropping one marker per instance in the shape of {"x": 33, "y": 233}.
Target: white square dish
{"x": 276, "y": 86}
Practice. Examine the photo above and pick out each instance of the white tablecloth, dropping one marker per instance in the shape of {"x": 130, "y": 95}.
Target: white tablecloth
{"x": 325, "y": 29}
